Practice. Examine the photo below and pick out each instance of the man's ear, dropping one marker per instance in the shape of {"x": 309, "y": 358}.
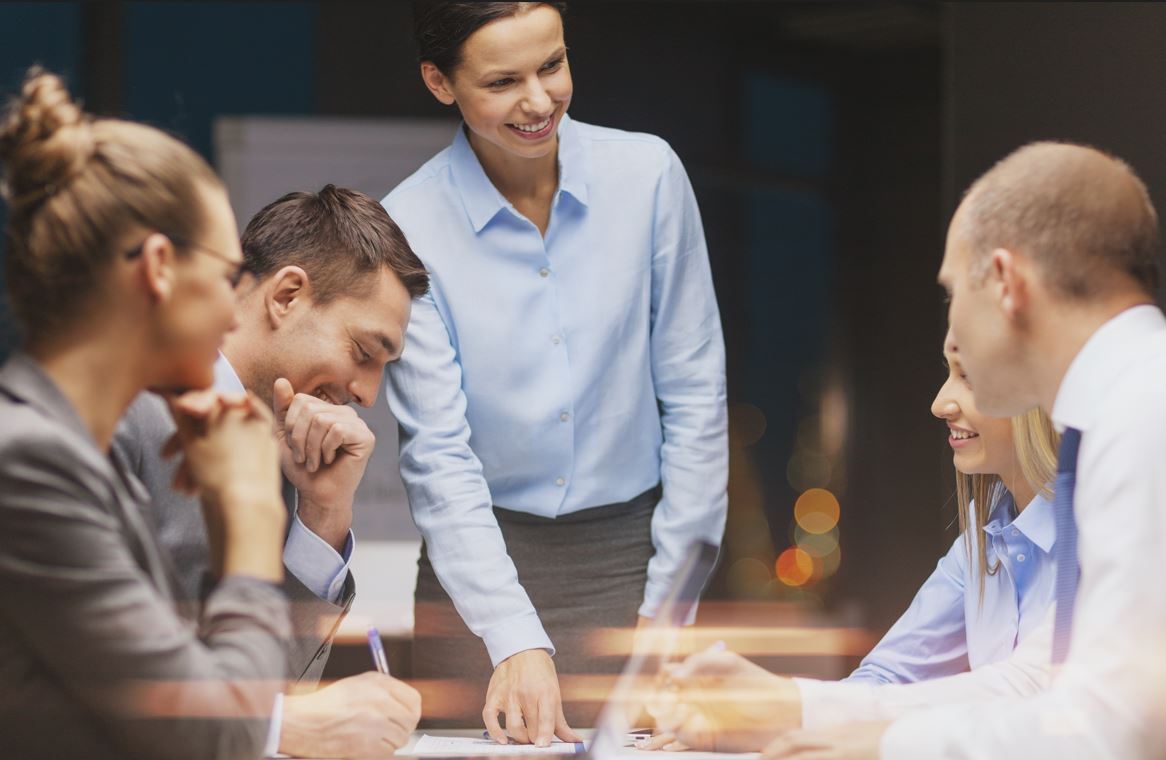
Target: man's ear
{"x": 1009, "y": 277}
{"x": 158, "y": 267}
{"x": 437, "y": 83}
{"x": 288, "y": 292}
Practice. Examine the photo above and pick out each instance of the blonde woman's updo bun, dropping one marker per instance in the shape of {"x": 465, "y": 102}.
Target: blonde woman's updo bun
{"x": 46, "y": 140}
{"x": 76, "y": 186}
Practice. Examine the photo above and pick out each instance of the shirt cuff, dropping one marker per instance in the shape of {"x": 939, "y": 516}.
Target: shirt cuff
{"x": 915, "y": 737}
{"x": 271, "y": 748}
{"x": 828, "y": 703}
{"x": 315, "y": 563}
{"x": 654, "y": 594}
{"x": 514, "y": 636}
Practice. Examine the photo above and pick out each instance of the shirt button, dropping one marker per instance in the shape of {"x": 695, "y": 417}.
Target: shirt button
{"x": 565, "y": 416}
{"x": 556, "y": 339}
{"x": 1020, "y": 558}
{"x": 560, "y": 481}
{"x": 1015, "y": 532}
{"x": 544, "y": 273}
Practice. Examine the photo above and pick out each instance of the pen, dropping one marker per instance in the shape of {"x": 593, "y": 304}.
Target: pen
{"x": 378, "y": 650}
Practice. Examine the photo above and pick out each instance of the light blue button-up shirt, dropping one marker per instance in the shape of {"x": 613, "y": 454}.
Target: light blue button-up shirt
{"x": 548, "y": 375}
{"x": 946, "y": 630}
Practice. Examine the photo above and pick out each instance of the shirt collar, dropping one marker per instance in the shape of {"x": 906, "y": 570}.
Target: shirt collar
{"x": 226, "y": 379}
{"x": 1037, "y": 524}
{"x": 573, "y": 161}
{"x": 1035, "y": 521}
{"x": 482, "y": 200}
{"x": 1102, "y": 359}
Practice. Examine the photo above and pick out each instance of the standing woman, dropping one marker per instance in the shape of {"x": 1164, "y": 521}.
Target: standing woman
{"x": 562, "y": 401}
{"x": 122, "y": 256}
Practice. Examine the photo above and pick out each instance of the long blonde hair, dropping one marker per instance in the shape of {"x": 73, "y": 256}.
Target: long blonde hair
{"x": 1036, "y": 442}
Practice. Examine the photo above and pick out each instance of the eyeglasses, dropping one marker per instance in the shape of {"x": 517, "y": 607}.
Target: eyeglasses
{"x": 234, "y": 278}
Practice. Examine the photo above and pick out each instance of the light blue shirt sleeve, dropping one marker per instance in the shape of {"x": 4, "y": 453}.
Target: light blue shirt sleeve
{"x": 448, "y": 493}
{"x": 688, "y": 370}
{"x": 930, "y": 639}
{"x": 315, "y": 563}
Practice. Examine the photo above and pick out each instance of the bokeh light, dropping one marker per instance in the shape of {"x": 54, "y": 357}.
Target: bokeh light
{"x": 826, "y": 565}
{"x": 817, "y": 511}
{"x": 795, "y": 567}
{"x": 834, "y": 413}
{"x": 748, "y": 577}
{"x": 816, "y": 544}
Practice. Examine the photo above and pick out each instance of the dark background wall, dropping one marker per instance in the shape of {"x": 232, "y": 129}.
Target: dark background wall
{"x": 1087, "y": 72}
{"x": 827, "y": 143}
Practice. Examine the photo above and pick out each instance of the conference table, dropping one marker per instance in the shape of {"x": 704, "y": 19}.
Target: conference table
{"x": 491, "y": 750}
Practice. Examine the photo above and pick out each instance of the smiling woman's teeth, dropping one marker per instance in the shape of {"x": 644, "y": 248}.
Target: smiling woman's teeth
{"x": 532, "y": 127}
{"x": 960, "y": 435}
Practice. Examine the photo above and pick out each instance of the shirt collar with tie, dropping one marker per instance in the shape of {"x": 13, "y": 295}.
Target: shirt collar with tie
{"x": 1107, "y": 354}
{"x": 1103, "y": 358}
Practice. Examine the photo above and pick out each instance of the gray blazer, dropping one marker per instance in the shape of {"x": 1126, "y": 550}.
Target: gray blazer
{"x": 178, "y": 521}
{"x": 95, "y": 659}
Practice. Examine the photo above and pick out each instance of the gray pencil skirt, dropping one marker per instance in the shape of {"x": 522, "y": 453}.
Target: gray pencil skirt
{"x": 583, "y": 571}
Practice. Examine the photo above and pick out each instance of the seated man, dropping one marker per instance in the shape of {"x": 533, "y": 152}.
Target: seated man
{"x": 322, "y": 308}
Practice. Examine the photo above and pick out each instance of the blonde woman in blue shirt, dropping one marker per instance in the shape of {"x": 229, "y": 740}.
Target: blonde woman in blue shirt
{"x": 562, "y": 400}
{"x": 995, "y": 584}
{"x": 992, "y": 590}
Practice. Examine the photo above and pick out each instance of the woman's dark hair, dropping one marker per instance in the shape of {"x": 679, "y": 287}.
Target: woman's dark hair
{"x": 441, "y": 27}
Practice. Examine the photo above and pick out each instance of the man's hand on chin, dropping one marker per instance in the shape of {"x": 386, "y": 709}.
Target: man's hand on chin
{"x": 324, "y": 450}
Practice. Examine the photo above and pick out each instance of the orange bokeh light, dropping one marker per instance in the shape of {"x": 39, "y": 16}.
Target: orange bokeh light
{"x": 817, "y": 511}
{"x": 827, "y": 565}
{"x": 794, "y": 567}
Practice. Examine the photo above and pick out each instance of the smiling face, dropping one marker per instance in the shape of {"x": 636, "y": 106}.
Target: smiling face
{"x": 981, "y": 445}
{"x": 336, "y": 351}
{"x": 513, "y": 85}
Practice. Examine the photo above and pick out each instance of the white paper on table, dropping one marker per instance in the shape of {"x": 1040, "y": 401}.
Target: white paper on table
{"x": 462, "y": 746}
{"x": 630, "y": 752}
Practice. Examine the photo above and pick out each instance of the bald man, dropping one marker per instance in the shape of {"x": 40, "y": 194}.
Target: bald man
{"x": 1051, "y": 266}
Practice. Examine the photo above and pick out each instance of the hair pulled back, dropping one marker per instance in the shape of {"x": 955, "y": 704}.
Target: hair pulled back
{"x": 76, "y": 186}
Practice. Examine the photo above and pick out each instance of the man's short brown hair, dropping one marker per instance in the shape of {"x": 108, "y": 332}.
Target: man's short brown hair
{"x": 1084, "y": 216}
{"x": 338, "y": 236}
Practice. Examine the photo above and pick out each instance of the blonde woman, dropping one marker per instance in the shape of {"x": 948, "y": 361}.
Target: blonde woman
{"x": 122, "y": 261}
{"x": 992, "y": 589}
{"x": 994, "y": 585}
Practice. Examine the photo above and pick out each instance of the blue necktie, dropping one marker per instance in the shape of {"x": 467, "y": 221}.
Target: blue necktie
{"x": 1065, "y": 549}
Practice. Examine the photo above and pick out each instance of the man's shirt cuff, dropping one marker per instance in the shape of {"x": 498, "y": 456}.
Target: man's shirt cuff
{"x": 315, "y": 563}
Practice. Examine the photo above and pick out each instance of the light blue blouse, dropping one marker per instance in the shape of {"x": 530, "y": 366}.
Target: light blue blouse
{"x": 549, "y": 374}
{"x": 947, "y": 630}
